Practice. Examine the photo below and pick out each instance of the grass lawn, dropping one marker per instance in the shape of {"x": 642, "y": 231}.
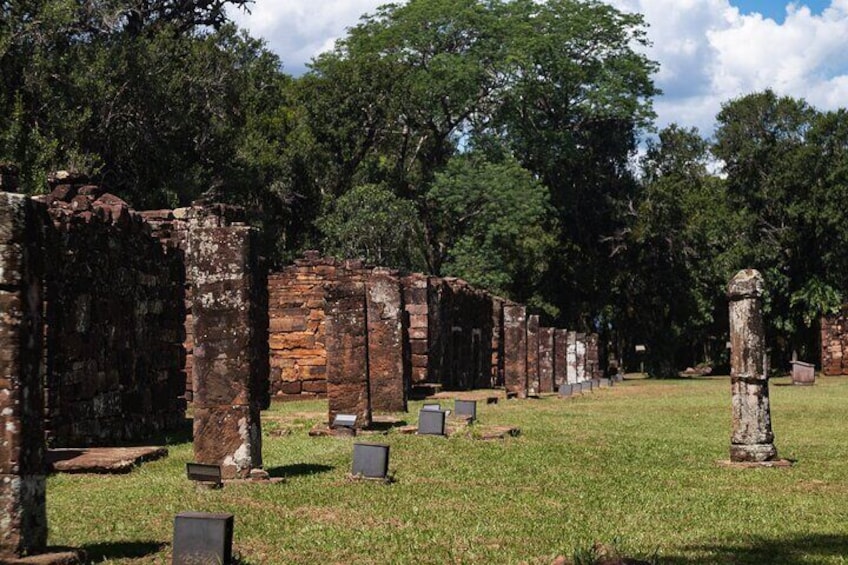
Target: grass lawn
{"x": 633, "y": 466}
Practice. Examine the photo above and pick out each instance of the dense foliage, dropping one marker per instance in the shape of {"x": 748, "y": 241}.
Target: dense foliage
{"x": 494, "y": 140}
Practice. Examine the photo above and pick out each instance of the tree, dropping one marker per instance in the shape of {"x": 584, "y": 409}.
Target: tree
{"x": 784, "y": 162}
{"x": 496, "y": 228}
{"x": 371, "y": 223}
{"x": 675, "y": 255}
{"x": 158, "y": 112}
{"x": 558, "y": 86}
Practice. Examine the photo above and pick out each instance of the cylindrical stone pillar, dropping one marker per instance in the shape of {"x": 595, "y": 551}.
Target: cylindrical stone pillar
{"x": 752, "y": 438}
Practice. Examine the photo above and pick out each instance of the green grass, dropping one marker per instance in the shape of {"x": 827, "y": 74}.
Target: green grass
{"x": 633, "y": 467}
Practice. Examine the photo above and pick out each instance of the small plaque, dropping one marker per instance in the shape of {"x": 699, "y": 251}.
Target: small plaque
{"x": 371, "y": 460}
{"x": 344, "y": 421}
{"x": 201, "y": 537}
{"x": 566, "y": 389}
{"x": 432, "y": 408}
{"x": 204, "y": 473}
{"x": 431, "y": 422}
{"x": 466, "y": 408}
{"x": 640, "y": 349}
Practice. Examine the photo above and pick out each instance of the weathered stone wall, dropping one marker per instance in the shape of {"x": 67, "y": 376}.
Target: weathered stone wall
{"x": 460, "y": 334}
{"x": 834, "y": 343}
{"x": 497, "y": 378}
{"x": 417, "y": 307}
{"x": 533, "y": 355}
{"x": 386, "y": 337}
{"x": 23, "y": 510}
{"x": 580, "y": 357}
{"x": 560, "y": 357}
{"x": 114, "y": 315}
{"x": 230, "y": 356}
{"x": 593, "y": 364}
{"x": 515, "y": 349}
{"x": 171, "y": 228}
{"x": 297, "y": 300}
{"x": 546, "y": 359}
{"x": 348, "y": 386}
{"x": 449, "y": 333}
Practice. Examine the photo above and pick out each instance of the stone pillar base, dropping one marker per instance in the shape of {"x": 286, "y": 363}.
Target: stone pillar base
{"x": 755, "y": 453}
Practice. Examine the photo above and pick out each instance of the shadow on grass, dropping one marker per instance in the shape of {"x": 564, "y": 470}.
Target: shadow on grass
{"x": 298, "y": 470}
{"x": 97, "y": 552}
{"x": 793, "y": 550}
{"x": 386, "y": 426}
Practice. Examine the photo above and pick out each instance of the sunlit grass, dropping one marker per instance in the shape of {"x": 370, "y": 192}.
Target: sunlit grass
{"x": 633, "y": 466}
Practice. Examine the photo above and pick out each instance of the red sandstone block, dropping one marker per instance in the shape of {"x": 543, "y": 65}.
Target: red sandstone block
{"x": 416, "y": 321}
{"x": 418, "y": 347}
{"x": 419, "y": 360}
{"x": 292, "y": 387}
{"x": 418, "y": 333}
{"x": 280, "y": 324}
{"x": 228, "y": 436}
{"x": 315, "y": 386}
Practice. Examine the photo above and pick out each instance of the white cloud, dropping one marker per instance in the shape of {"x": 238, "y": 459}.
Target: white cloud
{"x": 298, "y": 30}
{"x": 709, "y": 52}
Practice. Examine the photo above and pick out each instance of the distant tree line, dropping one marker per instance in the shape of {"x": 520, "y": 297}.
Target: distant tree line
{"x": 495, "y": 140}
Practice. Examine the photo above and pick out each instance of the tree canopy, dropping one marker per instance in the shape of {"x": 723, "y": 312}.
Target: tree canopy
{"x": 493, "y": 140}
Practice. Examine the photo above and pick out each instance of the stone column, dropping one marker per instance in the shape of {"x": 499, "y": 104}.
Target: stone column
{"x": 23, "y": 511}
{"x": 385, "y": 342}
{"x": 515, "y": 349}
{"x": 593, "y": 365}
{"x": 416, "y": 306}
{"x": 533, "y": 355}
{"x": 560, "y": 366}
{"x": 571, "y": 358}
{"x": 580, "y": 357}
{"x": 546, "y": 360}
{"x": 348, "y": 390}
{"x": 497, "y": 342}
{"x": 228, "y": 371}
{"x": 752, "y": 438}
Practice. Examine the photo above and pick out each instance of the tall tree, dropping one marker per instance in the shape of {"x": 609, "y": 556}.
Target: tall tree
{"x": 495, "y": 226}
{"x": 780, "y": 157}
{"x": 676, "y": 254}
{"x": 559, "y": 86}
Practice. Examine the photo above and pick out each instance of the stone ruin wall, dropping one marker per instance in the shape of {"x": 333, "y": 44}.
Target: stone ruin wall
{"x": 23, "y": 482}
{"x": 297, "y": 342}
{"x": 114, "y": 321}
{"x": 172, "y": 228}
{"x": 450, "y": 331}
{"x": 834, "y": 343}
{"x": 460, "y": 336}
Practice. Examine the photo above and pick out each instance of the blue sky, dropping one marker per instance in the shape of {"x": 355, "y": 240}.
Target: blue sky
{"x": 710, "y": 51}
{"x": 775, "y": 9}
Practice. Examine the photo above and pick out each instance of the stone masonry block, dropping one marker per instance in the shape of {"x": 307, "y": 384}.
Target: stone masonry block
{"x": 348, "y": 389}
{"x": 515, "y": 349}
{"x": 387, "y": 378}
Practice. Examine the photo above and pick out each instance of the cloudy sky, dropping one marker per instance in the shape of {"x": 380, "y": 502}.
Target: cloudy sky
{"x": 710, "y": 51}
